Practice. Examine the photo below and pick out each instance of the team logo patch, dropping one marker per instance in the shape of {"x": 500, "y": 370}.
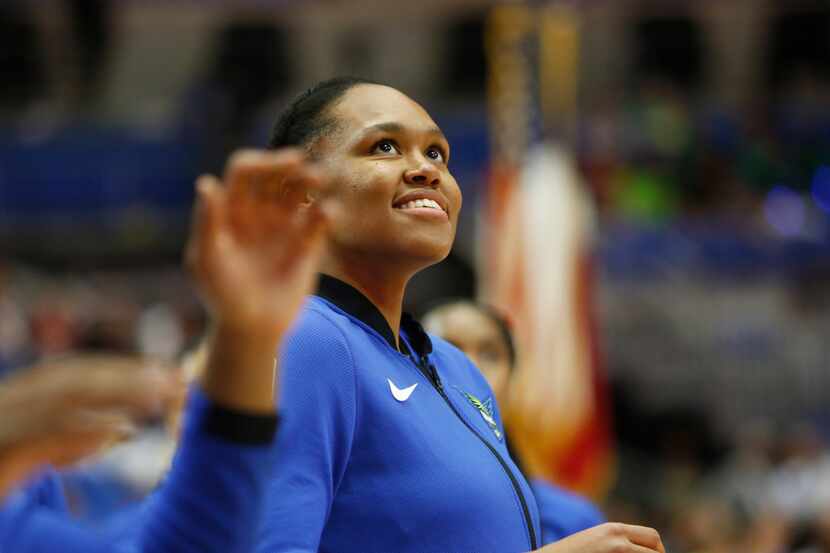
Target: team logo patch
{"x": 485, "y": 409}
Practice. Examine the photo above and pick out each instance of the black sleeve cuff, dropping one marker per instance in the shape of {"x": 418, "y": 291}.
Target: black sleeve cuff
{"x": 240, "y": 427}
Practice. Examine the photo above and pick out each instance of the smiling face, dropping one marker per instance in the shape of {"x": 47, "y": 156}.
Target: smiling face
{"x": 388, "y": 160}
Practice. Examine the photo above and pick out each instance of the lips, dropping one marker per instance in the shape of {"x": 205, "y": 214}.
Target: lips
{"x": 428, "y": 199}
{"x": 421, "y": 203}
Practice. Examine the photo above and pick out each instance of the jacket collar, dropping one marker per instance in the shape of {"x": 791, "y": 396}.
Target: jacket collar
{"x": 350, "y": 300}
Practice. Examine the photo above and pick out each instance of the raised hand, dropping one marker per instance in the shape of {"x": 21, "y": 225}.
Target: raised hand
{"x": 59, "y": 412}
{"x": 612, "y": 537}
{"x": 255, "y": 243}
{"x": 254, "y": 250}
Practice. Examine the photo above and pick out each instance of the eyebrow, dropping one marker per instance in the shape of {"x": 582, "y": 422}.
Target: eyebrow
{"x": 395, "y": 127}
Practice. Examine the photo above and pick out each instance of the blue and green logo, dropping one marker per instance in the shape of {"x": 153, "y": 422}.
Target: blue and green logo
{"x": 485, "y": 409}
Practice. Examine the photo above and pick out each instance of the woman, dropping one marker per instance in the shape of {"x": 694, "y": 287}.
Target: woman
{"x": 254, "y": 261}
{"x": 485, "y": 337}
{"x": 381, "y": 448}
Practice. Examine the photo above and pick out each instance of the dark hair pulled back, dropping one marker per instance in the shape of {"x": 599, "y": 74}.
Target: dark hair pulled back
{"x": 304, "y": 119}
{"x": 501, "y": 322}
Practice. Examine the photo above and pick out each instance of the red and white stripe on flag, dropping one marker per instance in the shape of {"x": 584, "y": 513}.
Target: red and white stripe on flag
{"x": 538, "y": 230}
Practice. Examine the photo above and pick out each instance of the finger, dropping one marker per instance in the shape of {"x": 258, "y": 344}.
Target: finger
{"x": 249, "y": 171}
{"x": 143, "y": 392}
{"x": 282, "y": 197}
{"x": 291, "y": 190}
{"x": 284, "y": 177}
{"x": 266, "y": 189}
{"x": 213, "y": 199}
{"x": 206, "y": 221}
{"x": 245, "y": 176}
{"x": 242, "y": 214}
{"x": 287, "y": 232}
{"x": 303, "y": 240}
{"x": 196, "y": 222}
{"x": 634, "y": 548}
{"x": 241, "y": 189}
{"x": 81, "y": 435}
{"x": 241, "y": 160}
{"x": 272, "y": 221}
{"x": 114, "y": 422}
{"x": 211, "y": 218}
{"x": 644, "y": 536}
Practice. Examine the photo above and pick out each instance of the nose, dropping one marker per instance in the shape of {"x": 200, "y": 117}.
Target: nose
{"x": 426, "y": 174}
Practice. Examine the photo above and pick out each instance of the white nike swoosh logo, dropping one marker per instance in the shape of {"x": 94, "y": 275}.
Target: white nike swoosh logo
{"x": 401, "y": 395}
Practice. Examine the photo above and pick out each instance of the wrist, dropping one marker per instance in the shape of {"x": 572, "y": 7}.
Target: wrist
{"x": 13, "y": 471}
{"x": 247, "y": 333}
{"x": 245, "y": 337}
{"x": 240, "y": 372}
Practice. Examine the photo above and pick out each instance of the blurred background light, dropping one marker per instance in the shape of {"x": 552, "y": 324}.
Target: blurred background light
{"x": 785, "y": 211}
{"x": 821, "y": 187}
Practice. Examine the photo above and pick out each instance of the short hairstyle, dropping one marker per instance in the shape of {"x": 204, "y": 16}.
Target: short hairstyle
{"x": 304, "y": 120}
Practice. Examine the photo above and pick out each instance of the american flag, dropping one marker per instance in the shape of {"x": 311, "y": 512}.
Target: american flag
{"x": 536, "y": 258}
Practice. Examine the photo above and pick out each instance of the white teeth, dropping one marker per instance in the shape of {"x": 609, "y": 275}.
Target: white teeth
{"x": 421, "y": 203}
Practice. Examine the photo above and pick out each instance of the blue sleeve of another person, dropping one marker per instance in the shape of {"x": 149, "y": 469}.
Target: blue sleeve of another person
{"x": 563, "y": 513}
{"x": 212, "y": 500}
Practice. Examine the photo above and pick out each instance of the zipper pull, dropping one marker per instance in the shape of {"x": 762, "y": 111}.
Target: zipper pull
{"x": 435, "y": 378}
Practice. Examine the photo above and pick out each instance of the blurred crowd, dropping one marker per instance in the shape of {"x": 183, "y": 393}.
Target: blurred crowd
{"x": 662, "y": 156}
{"x": 151, "y": 312}
{"x": 659, "y": 148}
{"x": 764, "y": 490}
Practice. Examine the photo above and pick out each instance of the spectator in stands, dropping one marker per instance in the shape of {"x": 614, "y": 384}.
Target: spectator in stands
{"x": 483, "y": 334}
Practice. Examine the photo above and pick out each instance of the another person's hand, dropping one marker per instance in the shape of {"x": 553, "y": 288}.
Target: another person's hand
{"x": 254, "y": 252}
{"x": 62, "y": 411}
{"x": 612, "y": 537}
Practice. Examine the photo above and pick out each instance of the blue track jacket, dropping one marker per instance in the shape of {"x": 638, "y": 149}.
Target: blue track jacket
{"x": 211, "y": 502}
{"x": 384, "y": 451}
{"x": 563, "y": 513}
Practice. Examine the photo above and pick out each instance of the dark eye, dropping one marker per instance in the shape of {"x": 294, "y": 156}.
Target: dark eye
{"x": 385, "y": 146}
{"x": 435, "y": 154}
